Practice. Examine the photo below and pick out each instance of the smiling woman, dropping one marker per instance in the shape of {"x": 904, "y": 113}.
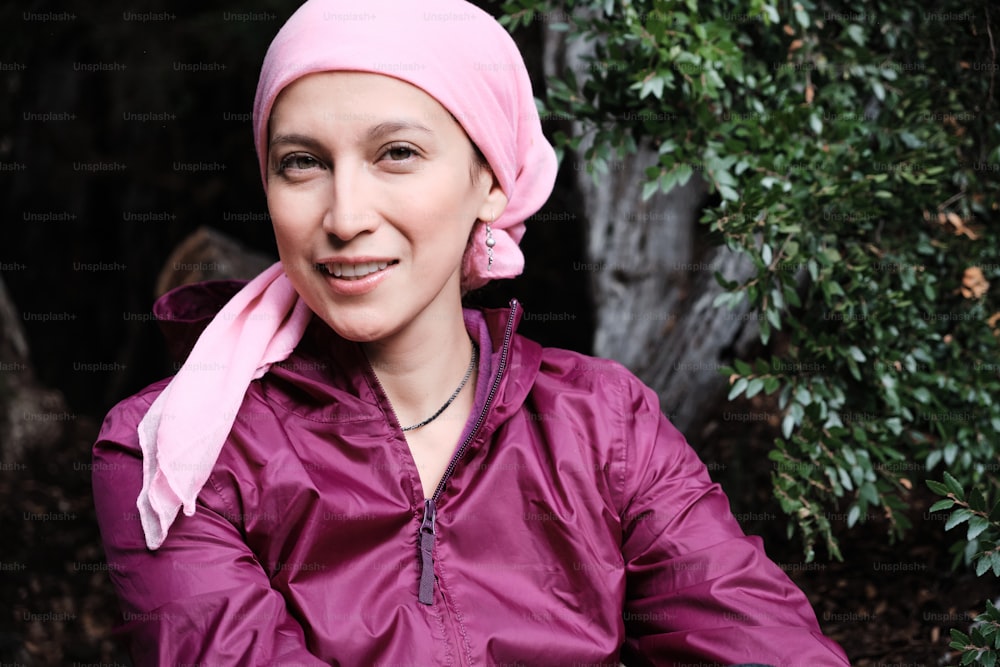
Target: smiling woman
{"x": 370, "y": 473}
{"x": 373, "y": 211}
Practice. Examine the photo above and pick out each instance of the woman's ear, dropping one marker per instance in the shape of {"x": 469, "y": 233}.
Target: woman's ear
{"x": 495, "y": 201}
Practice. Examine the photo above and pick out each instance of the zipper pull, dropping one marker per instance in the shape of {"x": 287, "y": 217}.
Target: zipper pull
{"x": 426, "y": 539}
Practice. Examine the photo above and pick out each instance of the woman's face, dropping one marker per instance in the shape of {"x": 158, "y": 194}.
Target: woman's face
{"x": 373, "y": 189}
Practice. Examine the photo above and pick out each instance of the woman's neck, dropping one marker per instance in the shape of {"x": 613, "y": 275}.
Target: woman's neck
{"x": 421, "y": 366}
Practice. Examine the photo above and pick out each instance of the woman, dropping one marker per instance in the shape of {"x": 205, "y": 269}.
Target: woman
{"x": 371, "y": 475}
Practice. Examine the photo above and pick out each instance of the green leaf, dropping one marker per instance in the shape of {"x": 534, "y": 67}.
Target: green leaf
{"x": 815, "y": 124}
{"x": 684, "y": 174}
{"x": 868, "y": 492}
{"x": 853, "y": 515}
{"x": 922, "y": 395}
{"x": 787, "y": 424}
{"x": 850, "y": 456}
{"x": 958, "y": 517}
{"x": 725, "y": 299}
{"x": 728, "y": 193}
{"x": 802, "y": 394}
{"x": 950, "y": 453}
{"x": 857, "y": 34}
{"x": 813, "y": 267}
{"x": 652, "y": 86}
{"x": 649, "y": 189}
{"x": 977, "y": 502}
{"x": 723, "y": 282}
{"x": 879, "y": 91}
{"x": 845, "y": 479}
{"x": 932, "y": 460}
{"x": 738, "y": 388}
{"x": 945, "y": 504}
{"x": 754, "y": 387}
{"x": 937, "y": 487}
{"x": 774, "y": 318}
{"x": 953, "y": 486}
{"x": 977, "y": 524}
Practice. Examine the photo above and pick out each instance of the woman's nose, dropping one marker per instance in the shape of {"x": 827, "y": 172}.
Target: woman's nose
{"x": 349, "y": 210}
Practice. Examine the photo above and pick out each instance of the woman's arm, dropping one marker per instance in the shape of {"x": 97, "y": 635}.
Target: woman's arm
{"x": 202, "y": 597}
{"x": 698, "y": 589}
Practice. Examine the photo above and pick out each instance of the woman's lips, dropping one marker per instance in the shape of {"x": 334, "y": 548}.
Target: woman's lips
{"x": 355, "y": 277}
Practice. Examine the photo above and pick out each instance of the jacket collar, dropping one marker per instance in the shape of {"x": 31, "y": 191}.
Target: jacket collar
{"x": 185, "y": 311}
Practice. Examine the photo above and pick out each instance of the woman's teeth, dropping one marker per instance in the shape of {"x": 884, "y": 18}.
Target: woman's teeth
{"x": 354, "y": 271}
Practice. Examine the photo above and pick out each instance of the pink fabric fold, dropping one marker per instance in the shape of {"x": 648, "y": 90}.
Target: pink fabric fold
{"x": 183, "y": 432}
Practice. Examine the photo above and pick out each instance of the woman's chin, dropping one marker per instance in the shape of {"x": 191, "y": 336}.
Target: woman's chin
{"x": 358, "y": 328}
{"x": 365, "y": 336}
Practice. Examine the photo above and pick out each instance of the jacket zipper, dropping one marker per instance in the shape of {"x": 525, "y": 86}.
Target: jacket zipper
{"x": 428, "y": 532}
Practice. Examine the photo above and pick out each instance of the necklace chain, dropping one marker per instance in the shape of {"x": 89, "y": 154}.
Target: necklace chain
{"x": 468, "y": 374}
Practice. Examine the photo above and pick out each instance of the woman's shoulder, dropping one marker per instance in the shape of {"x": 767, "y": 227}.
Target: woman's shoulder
{"x": 607, "y": 386}
{"x": 604, "y": 385}
{"x": 122, "y": 421}
{"x": 579, "y": 369}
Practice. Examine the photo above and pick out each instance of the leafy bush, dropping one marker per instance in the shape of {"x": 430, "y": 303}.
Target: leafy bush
{"x": 981, "y": 547}
{"x": 853, "y": 156}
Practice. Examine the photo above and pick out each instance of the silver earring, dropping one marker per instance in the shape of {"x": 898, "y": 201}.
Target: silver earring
{"x": 490, "y": 242}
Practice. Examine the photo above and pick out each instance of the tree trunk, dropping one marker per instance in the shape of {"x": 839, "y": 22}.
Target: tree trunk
{"x": 31, "y": 416}
{"x": 653, "y": 288}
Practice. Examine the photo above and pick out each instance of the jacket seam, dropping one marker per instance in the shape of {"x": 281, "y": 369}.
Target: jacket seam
{"x": 443, "y": 628}
{"x": 446, "y": 597}
{"x": 622, "y": 485}
{"x": 458, "y": 616}
{"x": 218, "y": 491}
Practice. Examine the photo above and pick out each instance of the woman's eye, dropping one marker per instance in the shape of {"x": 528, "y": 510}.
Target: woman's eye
{"x": 400, "y": 153}
{"x": 297, "y": 162}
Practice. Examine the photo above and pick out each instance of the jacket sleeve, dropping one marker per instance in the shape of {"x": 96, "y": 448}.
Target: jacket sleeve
{"x": 202, "y": 597}
{"x": 699, "y": 591}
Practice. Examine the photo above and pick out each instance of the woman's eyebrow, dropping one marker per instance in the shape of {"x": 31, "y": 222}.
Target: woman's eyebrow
{"x": 390, "y": 126}
{"x": 295, "y": 140}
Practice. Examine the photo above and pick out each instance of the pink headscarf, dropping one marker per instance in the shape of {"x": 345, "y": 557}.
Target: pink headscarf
{"x": 460, "y": 56}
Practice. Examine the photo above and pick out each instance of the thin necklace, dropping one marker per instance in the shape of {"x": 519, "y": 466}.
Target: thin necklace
{"x": 468, "y": 374}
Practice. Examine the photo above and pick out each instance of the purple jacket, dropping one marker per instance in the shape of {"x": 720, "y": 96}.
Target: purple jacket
{"x": 574, "y": 526}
